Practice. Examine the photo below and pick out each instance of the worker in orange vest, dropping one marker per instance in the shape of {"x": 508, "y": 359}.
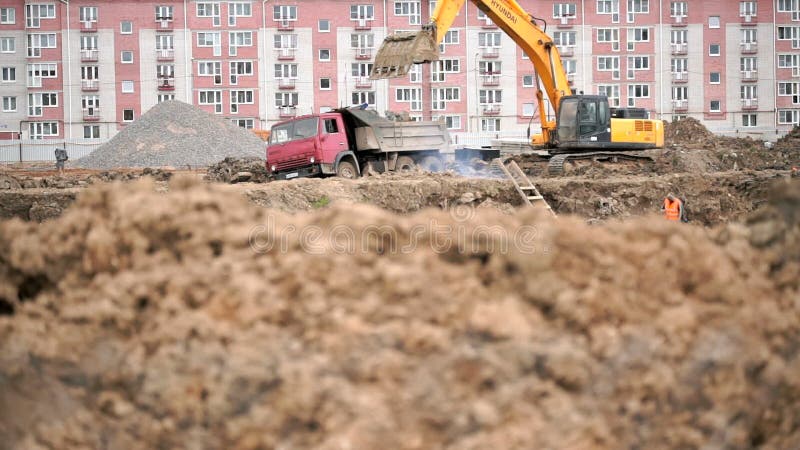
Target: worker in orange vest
{"x": 673, "y": 209}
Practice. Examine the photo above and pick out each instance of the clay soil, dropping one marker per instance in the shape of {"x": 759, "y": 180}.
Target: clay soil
{"x": 203, "y": 321}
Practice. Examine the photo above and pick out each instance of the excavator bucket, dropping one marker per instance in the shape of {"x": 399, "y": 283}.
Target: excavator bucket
{"x": 401, "y": 50}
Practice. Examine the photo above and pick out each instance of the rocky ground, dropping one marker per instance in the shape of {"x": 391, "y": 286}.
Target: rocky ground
{"x": 204, "y": 321}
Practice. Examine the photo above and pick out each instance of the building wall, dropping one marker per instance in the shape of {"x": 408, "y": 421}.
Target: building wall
{"x": 304, "y": 89}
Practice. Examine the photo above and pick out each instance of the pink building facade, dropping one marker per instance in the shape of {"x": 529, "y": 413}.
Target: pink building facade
{"x": 83, "y": 69}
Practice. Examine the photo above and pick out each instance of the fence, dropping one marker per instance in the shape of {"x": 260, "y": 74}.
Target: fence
{"x": 27, "y": 150}
{"x": 478, "y": 140}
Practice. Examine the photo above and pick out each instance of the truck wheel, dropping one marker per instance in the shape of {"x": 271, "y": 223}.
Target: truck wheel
{"x": 431, "y": 164}
{"x": 347, "y": 170}
{"x": 405, "y": 164}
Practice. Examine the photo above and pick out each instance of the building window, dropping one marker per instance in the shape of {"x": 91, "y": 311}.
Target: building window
{"x": 412, "y": 96}
{"x": 439, "y": 69}
{"x": 209, "y": 10}
{"x": 8, "y": 45}
{"x": 611, "y": 91}
{"x": 748, "y": 9}
{"x": 165, "y": 97}
{"x": 127, "y": 57}
{"x": 38, "y": 41}
{"x": 126, "y": 27}
{"x": 362, "y": 12}
{"x": 442, "y": 96}
{"x": 283, "y": 13}
{"x": 91, "y": 131}
{"x": 408, "y": 9}
{"x": 8, "y": 16}
{"x": 244, "y": 123}
{"x": 41, "y": 130}
{"x": 713, "y": 50}
{"x": 714, "y": 107}
{"x": 324, "y": 54}
{"x": 240, "y": 98}
{"x": 239, "y": 39}
{"x": 713, "y": 22}
{"x": 9, "y": 104}
{"x": 324, "y": 26}
{"x": 789, "y": 116}
{"x": 527, "y": 81}
{"x": 489, "y": 125}
{"x": 528, "y": 109}
{"x": 286, "y": 99}
{"x": 289, "y": 71}
{"x": 452, "y": 122}
{"x": 34, "y": 14}
{"x": 363, "y": 97}
{"x": 749, "y": 120}
{"x": 127, "y": 87}
{"x": 127, "y": 115}
{"x": 211, "y": 98}
{"x": 714, "y": 78}
{"x": 564, "y": 10}
{"x": 678, "y": 9}
{"x": 40, "y": 100}
{"x": 325, "y": 84}
{"x": 9, "y": 74}
{"x": 163, "y": 13}
{"x": 238, "y": 9}
{"x": 637, "y": 91}
{"x": 88, "y": 14}
{"x": 609, "y": 64}
{"x": 680, "y": 93}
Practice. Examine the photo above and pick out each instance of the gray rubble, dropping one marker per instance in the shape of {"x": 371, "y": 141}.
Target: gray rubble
{"x": 178, "y": 135}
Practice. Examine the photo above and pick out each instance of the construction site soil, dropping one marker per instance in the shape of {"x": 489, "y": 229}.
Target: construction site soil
{"x": 202, "y": 321}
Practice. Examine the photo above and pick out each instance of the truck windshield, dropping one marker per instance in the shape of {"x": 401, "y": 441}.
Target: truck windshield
{"x": 280, "y": 133}
{"x": 305, "y": 128}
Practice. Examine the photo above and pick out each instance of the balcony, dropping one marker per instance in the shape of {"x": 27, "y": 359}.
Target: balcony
{"x": 166, "y": 83}
{"x": 490, "y": 110}
{"x": 89, "y": 26}
{"x": 363, "y": 53}
{"x": 564, "y": 50}
{"x": 89, "y": 55}
{"x": 286, "y": 83}
{"x": 749, "y": 75}
{"x": 679, "y": 49}
{"x": 285, "y": 25}
{"x": 286, "y": 54}
{"x": 363, "y": 83}
{"x": 91, "y": 114}
{"x": 680, "y": 105}
{"x": 90, "y": 85}
{"x": 566, "y": 22}
{"x": 749, "y": 20}
{"x": 164, "y": 24}
{"x": 748, "y": 48}
{"x": 490, "y": 79}
{"x": 749, "y": 104}
{"x": 34, "y": 81}
{"x": 488, "y": 24}
{"x": 490, "y": 52}
{"x": 680, "y": 77}
{"x": 679, "y": 21}
{"x": 363, "y": 25}
{"x": 286, "y": 112}
{"x": 165, "y": 54}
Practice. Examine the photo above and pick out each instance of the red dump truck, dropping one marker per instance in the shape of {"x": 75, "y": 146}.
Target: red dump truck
{"x": 351, "y": 142}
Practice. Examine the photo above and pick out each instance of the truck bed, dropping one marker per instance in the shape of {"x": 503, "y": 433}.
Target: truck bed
{"x": 377, "y": 134}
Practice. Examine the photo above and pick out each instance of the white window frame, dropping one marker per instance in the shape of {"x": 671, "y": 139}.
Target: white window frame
{"x": 440, "y": 97}
{"x": 719, "y": 50}
{"x": 238, "y": 9}
{"x": 133, "y": 115}
{"x": 41, "y": 130}
{"x": 39, "y": 41}
{"x": 240, "y": 69}
{"x": 284, "y": 13}
{"x": 8, "y": 16}
{"x": 8, "y": 45}
{"x": 361, "y": 97}
{"x": 713, "y": 22}
{"x": 282, "y": 97}
{"x": 527, "y": 84}
{"x": 209, "y": 10}
{"x": 362, "y": 12}
{"x": 9, "y": 74}
{"x": 409, "y": 8}
{"x": 748, "y": 9}
{"x": 87, "y": 14}
{"x": 711, "y": 79}
{"x": 286, "y": 71}
{"x": 131, "y": 87}
{"x": 324, "y": 59}
{"x": 241, "y": 97}
{"x": 793, "y": 120}
{"x": 711, "y": 106}
{"x": 632, "y": 94}
{"x": 238, "y": 39}
{"x": 326, "y": 29}
{"x": 410, "y": 95}
{"x": 122, "y": 57}
{"x": 750, "y": 120}
{"x": 330, "y": 84}
{"x": 164, "y": 13}
{"x": 613, "y": 90}
{"x": 679, "y": 9}
{"x": 91, "y": 131}
{"x": 565, "y": 10}
{"x": 495, "y": 124}
{"x": 165, "y": 98}
{"x": 9, "y": 104}
{"x": 208, "y": 97}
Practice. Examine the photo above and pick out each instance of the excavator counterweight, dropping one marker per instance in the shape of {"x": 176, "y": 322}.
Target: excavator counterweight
{"x": 402, "y": 50}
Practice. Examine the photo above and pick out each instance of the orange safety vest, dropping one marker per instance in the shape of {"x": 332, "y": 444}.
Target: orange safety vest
{"x": 672, "y": 210}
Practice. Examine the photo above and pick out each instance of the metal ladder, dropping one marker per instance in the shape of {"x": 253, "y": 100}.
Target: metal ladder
{"x": 530, "y": 195}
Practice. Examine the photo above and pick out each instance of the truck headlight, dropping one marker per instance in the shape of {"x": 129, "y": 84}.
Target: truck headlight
{"x": 312, "y": 160}
{"x": 273, "y": 168}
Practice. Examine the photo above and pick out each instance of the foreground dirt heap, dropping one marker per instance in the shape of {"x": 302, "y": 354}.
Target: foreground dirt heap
{"x": 174, "y": 134}
{"x": 161, "y": 327}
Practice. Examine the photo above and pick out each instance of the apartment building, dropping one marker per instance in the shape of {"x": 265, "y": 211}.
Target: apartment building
{"x": 86, "y": 68}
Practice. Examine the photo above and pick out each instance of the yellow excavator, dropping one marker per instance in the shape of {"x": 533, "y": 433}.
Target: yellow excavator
{"x": 585, "y": 126}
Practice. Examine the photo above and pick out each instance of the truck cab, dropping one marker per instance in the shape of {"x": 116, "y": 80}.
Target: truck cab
{"x": 307, "y": 146}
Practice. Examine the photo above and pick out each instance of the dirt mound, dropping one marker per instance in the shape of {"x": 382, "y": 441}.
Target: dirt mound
{"x": 203, "y": 322}
{"x": 687, "y": 131}
{"x": 177, "y": 135}
{"x": 234, "y": 170}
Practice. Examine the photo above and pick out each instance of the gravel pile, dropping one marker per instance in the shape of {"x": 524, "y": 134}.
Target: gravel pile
{"x": 174, "y": 134}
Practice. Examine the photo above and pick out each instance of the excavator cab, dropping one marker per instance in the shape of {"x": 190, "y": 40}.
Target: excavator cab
{"x": 584, "y": 121}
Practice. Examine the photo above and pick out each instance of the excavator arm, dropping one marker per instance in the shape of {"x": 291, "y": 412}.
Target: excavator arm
{"x": 401, "y": 50}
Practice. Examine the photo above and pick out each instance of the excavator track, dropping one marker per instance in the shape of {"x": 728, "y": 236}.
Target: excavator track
{"x": 556, "y": 164}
